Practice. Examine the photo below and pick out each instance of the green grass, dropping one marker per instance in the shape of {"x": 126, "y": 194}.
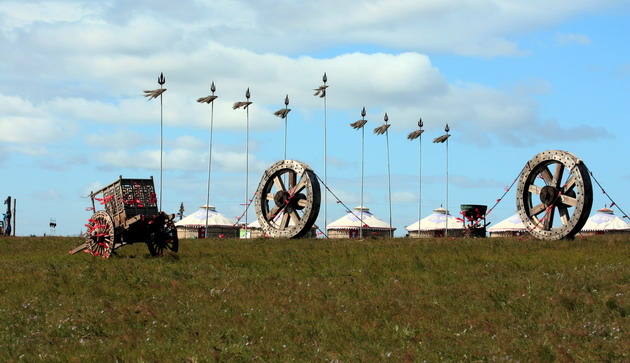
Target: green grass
{"x": 318, "y": 300}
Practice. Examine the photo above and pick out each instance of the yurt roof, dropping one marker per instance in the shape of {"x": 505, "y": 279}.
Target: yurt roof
{"x": 605, "y": 220}
{"x": 351, "y": 220}
{"x": 436, "y": 221}
{"x": 198, "y": 219}
{"x": 512, "y": 223}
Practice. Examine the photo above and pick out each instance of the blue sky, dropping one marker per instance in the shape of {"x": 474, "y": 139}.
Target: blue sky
{"x": 511, "y": 78}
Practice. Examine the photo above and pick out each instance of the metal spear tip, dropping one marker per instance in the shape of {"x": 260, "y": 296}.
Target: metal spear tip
{"x": 161, "y": 79}
{"x": 363, "y": 113}
{"x": 213, "y": 87}
{"x": 286, "y": 100}
{"x": 386, "y": 118}
{"x": 325, "y": 79}
{"x": 447, "y": 129}
{"x": 420, "y": 123}
{"x": 247, "y": 94}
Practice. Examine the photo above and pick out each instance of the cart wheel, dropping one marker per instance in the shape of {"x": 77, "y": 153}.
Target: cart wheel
{"x": 554, "y": 195}
{"x": 288, "y": 199}
{"x": 162, "y": 235}
{"x": 100, "y": 237}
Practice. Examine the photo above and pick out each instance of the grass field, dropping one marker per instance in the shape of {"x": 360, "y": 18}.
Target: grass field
{"x": 318, "y": 300}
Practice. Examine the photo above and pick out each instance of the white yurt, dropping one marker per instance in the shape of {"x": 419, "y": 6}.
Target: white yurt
{"x": 605, "y": 222}
{"x": 254, "y": 230}
{"x": 509, "y": 227}
{"x": 434, "y": 225}
{"x": 219, "y": 226}
{"x": 349, "y": 226}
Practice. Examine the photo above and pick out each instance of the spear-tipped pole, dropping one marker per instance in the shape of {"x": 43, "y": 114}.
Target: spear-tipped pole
{"x": 447, "y": 129}
{"x": 384, "y": 129}
{"x": 442, "y": 139}
{"x": 151, "y": 94}
{"x": 245, "y": 105}
{"x": 359, "y": 125}
{"x": 247, "y": 96}
{"x": 209, "y": 99}
{"x": 412, "y": 136}
{"x": 286, "y": 123}
{"x": 321, "y": 92}
{"x": 284, "y": 114}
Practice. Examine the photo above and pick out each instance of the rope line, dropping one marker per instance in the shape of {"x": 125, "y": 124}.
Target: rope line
{"x": 613, "y": 204}
{"x": 507, "y": 190}
{"x": 341, "y": 202}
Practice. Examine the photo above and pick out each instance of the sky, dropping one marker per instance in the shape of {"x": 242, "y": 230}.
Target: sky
{"x": 511, "y": 78}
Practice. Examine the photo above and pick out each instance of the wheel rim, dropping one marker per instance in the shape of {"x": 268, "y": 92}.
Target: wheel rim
{"x": 288, "y": 199}
{"x": 162, "y": 235}
{"x": 100, "y": 236}
{"x": 554, "y": 195}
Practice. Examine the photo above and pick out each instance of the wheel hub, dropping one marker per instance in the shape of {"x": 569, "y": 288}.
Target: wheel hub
{"x": 548, "y": 195}
{"x": 281, "y": 198}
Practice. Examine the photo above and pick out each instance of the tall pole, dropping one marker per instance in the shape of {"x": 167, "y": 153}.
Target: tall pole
{"x": 447, "y": 129}
{"x": 286, "y": 122}
{"x": 236, "y": 106}
{"x": 363, "y": 113}
{"x": 412, "y": 136}
{"x": 247, "y": 96}
{"x": 161, "y": 81}
{"x": 384, "y": 129}
{"x": 325, "y": 79}
{"x": 212, "y": 89}
{"x": 359, "y": 125}
{"x": 389, "y": 181}
{"x": 420, "y": 124}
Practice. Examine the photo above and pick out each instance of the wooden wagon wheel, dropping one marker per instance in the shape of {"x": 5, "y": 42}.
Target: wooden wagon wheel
{"x": 288, "y": 199}
{"x": 100, "y": 237}
{"x": 554, "y": 183}
{"x": 162, "y": 235}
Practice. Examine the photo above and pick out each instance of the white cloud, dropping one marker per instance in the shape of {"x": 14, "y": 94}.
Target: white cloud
{"x": 22, "y": 122}
{"x": 568, "y": 38}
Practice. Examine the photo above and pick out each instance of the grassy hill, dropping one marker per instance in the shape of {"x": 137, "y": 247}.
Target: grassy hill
{"x": 318, "y": 300}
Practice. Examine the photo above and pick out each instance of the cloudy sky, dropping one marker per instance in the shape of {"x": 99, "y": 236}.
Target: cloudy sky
{"x": 511, "y": 78}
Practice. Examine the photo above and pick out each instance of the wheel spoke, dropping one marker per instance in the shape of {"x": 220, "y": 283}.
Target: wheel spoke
{"x": 273, "y": 213}
{"x": 300, "y": 186}
{"x": 548, "y": 221}
{"x": 572, "y": 202}
{"x": 569, "y": 185}
{"x": 557, "y": 175}
{"x": 546, "y": 175}
{"x": 564, "y": 214}
{"x": 537, "y": 210}
{"x": 534, "y": 189}
{"x": 296, "y": 218}
{"x": 279, "y": 183}
{"x": 292, "y": 179}
{"x": 285, "y": 221}
{"x": 270, "y": 196}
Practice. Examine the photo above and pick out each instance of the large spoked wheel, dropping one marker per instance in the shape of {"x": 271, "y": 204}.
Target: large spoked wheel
{"x": 100, "y": 237}
{"x": 554, "y": 195}
{"x": 162, "y": 235}
{"x": 288, "y": 199}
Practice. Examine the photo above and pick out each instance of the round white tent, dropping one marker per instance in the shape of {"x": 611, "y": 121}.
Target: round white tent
{"x": 349, "y": 226}
{"x": 509, "y": 227}
{"x": 193, "y": 226}
{"x": 605, "y": 221}
{"x": 434, "y": 225}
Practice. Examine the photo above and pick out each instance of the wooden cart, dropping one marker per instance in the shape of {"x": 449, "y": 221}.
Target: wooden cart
{"x": 130, "y": 215}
